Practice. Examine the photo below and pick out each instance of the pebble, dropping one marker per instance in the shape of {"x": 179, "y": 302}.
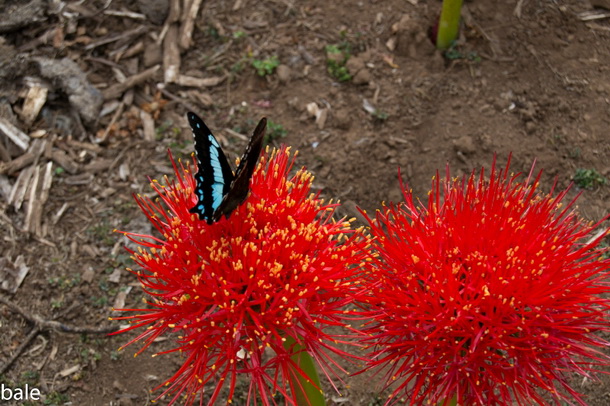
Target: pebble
{"x": 354, "y": 65}
{"x": 362, "y": 77}
{"x": 342, "y": 119}
{"x": 464, "y": 144}
{"x": 283, "y": 73}
{"x": 152, "y": 54}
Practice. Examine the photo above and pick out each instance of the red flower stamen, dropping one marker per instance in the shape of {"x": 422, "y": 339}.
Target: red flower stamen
{"x": 489, "y": 295}
{"x": 278, "y": 267}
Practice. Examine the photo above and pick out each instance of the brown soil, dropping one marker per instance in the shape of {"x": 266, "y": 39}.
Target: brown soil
{"x": 536, "y": 85}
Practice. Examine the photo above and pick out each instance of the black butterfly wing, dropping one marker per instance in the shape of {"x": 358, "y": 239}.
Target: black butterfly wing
{"x": 214, "y": 176}
{"x": 241, "y": 183}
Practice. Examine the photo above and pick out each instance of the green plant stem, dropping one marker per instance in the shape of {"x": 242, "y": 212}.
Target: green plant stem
{"x": 449, "y": 23}
{"x": 449, "y": 402}
{"x": 307, "y": 392}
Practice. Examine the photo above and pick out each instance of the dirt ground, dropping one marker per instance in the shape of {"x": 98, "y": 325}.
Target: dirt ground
{"x": 528, "y": 77}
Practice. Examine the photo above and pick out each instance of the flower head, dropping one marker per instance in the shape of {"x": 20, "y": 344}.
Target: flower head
{"x": 488, "y": 295}
{"x": 278, "y": 268}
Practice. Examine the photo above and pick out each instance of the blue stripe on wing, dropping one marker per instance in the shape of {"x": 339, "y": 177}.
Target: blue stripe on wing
{"x": 218, "y": 191}
{"x": 214, "y": 175}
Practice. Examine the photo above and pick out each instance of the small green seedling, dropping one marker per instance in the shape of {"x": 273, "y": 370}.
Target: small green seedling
{"x": 267, "y": 66}
{"x": 55, "y": 399}
{"x": 380, "y": 115}
{"x": 336, "y": 58}
{"x": 274, "y": 132}
{"x": 588, "y": 179}
{"x": 453, "y": 53}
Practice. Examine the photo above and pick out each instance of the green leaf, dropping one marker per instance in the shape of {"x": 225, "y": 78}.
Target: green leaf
{"x": 449, "y": 402}
{"x": 307, "y": 389}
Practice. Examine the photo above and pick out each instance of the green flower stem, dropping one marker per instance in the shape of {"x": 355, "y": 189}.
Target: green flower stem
{"x": 452, "y": 402}
{"x": 449, "y": 23}
{"x": 306, "y": 393}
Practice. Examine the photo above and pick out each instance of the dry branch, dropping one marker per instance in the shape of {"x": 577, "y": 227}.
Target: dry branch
{"x": 41, "y": 324}
{"x": 17, "y": 163}
{"x": 174, "y": 11}
{"x": 518, "y": 7}
{"x": 148, "y": 125}
{"x": 20, "y": 349}
{"x": 32, "y": 204}
{"x": 62, "y": 159}
{"x": 37, "y": 198}
{"x": 116, "y": 37}
{"x": 171, "y": 55}
{"x": 191, "y": 81}
{"x": 186, "y": 29}
{"x": 34, "y": 100}
{"x": 32, "y": 155}
{"x": 12, "y": 273}
{"x": 127, "y": 14}
{"x": 118, "y": 89}
{"x": 47, "y": 181}
{"x": 55, "y": 325}
{"x": 114, "y": 119}
{"x": 18, "y": 137}
{"x": 591, "y": 15}
{"x": 20, "y": 187}
{"x": 175, "y": 98}
{"x": 131, "y": 51}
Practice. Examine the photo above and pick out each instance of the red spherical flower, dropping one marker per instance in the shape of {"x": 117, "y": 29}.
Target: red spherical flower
{"x": 235, "y": 291}
{"x": 491, "y": 294}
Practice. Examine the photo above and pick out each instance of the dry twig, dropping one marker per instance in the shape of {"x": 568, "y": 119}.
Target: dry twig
{"x": 55, "y": 325}
{"x": 186, "y": 29}
{"x": 112, "y": 38}
{"x": 118, "y": 89}
{"x": 171, "y": 55}
{"x": 14, "y": 134}
{"x": 41, "y": 324}
{"x": 518, "y": 7}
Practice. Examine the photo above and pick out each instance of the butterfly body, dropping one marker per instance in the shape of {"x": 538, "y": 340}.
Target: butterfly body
{"x": 218, "y": 190}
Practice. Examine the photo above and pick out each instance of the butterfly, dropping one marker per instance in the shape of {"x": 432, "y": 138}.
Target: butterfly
{"x": 219, "y": 191}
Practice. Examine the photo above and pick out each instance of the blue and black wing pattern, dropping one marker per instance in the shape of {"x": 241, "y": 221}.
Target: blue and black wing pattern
{"x": 214, "y": 175}
{"x": 241, "y": 184}
{"x": 218, "y": 191}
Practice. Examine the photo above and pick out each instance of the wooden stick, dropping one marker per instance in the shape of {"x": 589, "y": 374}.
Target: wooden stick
{"x": 20, "y": 349}
{"x": 20, "y": 187}
{"x": 517, "y": 10}
{"x": 171, "y": 55}
{"x": 115, "y": 117}
{"x": 174, "y": 11}
{"x": 175, "y": 98}
{"x": 18, "y": 163}
{"x": 41, "y": 324}
{"x": 18, "y": 137}
{"x": 112, "y": 38}
{"x": 186, "y": 30}
{"x": 128, "y": 14}
{"x": 55, "y": 325}
{"x": 191, "y": 81}
{"x": 118, "y": 89}
{"x": 148, "y": 126}
{"x": 47, "y": 181}
{"x": 32, "y": 203}
{"x": 34, "y": 100}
